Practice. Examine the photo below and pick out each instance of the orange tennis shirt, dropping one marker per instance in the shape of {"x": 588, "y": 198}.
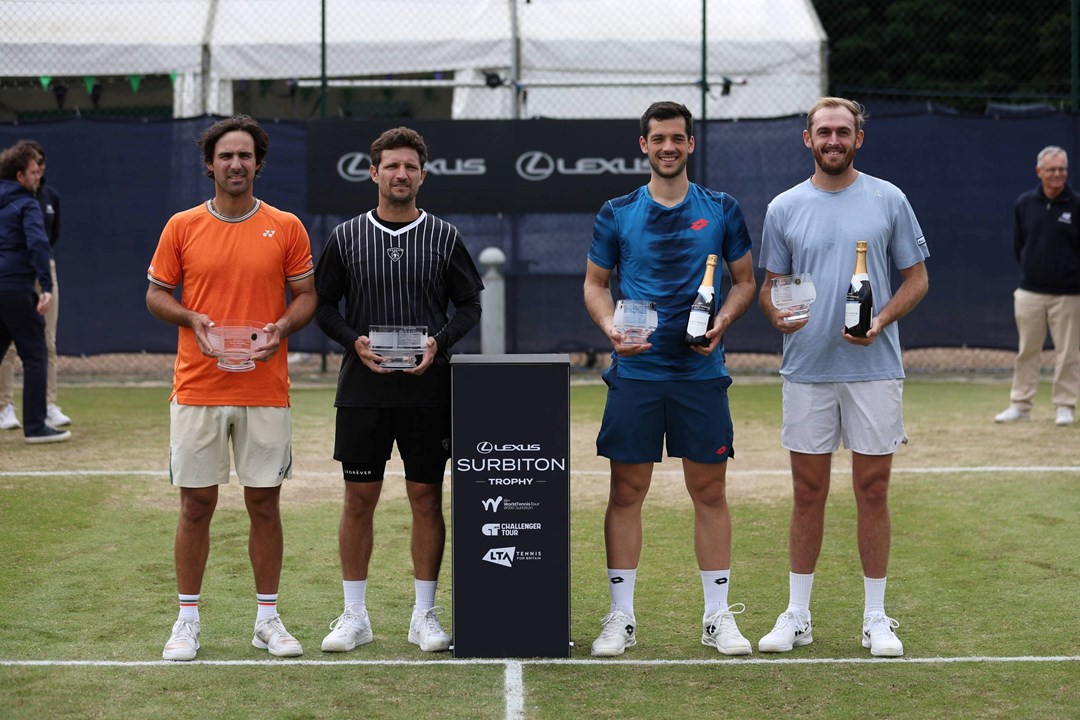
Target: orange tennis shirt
{"x": 236, "y": 269}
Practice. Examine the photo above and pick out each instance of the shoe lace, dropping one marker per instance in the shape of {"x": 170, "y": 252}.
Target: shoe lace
{"x": 430, "y": 622}
{"x": 725, "y": 618}
{"x": 790, "y": 617}
{"x": 614, "y": 624}
{"x": 879, "y": 618}
{"x": 346, "y": 619}
{"x": 274, "y": 626}
{"x": 184, "y": 629}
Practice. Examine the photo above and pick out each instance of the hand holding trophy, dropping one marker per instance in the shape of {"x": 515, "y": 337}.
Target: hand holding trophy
{"x": 235, "y": 341}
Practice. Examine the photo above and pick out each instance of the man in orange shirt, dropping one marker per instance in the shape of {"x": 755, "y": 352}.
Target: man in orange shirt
{"x": 234, "y": 256}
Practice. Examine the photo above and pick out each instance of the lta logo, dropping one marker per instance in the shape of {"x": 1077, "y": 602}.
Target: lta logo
{"x": 500, "y": 556}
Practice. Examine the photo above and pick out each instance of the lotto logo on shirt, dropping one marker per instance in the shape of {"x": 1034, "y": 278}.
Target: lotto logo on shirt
{"x": 700, "y": 224}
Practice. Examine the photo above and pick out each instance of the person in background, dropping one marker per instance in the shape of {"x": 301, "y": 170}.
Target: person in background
{"x": 394, "y": 265}
{"x": 234, "y": 256}
{"x": 659, "y": 238}
{"x": 1046, "y": 241}
{"x": 24, "y": 261}
{"x": 837, "y": 386}
{"x": 49, "y": 200}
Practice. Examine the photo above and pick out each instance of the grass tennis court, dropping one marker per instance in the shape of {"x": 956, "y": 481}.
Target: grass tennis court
{"x": 983, "y": 580}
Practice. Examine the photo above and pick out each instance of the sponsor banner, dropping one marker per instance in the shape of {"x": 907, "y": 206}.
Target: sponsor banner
{"x": 483, "y": 166}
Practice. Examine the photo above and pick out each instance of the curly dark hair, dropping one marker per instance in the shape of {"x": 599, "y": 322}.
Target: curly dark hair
{"x": 244, "y": 123}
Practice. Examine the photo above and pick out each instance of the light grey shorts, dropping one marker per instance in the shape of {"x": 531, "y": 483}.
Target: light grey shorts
{"x": 199, "y": 438}
{"x": 868, "y": 416}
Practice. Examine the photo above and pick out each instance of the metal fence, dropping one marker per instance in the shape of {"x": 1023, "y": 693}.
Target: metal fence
{"x": 512, "y": 59}
{"x": 521, "y": 58}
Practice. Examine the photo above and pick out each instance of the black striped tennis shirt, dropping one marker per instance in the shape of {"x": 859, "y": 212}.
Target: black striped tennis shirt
{"x": 396, "y": 274}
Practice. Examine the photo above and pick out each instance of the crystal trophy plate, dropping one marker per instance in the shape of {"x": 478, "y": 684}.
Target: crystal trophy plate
{"x": 235, "y": 341}
{"x": 635, "y": 320}
{"x": 795, "y": 293}
{"x": 398, "y": 344}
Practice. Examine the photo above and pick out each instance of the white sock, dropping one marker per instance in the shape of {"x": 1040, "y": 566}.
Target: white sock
{"x": 621, "y": 584}
{"x": 189, "y": 607}
{"x": 874, "y": 588}
{"x": 715, "y": 585}
{"x": 355, "y": 594}
{"x": 267, "y": 606}
{"x": 425, "y": 594}
{"x": 799, "y": 587}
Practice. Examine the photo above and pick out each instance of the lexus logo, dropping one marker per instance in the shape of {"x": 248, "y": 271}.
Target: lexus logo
{"x": 353, "y": 166}
{"x": 484, "y": 448}
{"x": 535, "y": 165}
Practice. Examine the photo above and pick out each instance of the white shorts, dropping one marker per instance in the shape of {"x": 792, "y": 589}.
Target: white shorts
{"x": 199, "y": 439}
{"x": 868, "y": 416}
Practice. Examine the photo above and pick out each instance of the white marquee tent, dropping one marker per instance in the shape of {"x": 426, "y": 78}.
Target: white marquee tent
{"x": 570, "y": 58}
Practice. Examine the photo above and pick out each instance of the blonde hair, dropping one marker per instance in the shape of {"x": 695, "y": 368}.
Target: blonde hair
{"x": 857, "y": 110}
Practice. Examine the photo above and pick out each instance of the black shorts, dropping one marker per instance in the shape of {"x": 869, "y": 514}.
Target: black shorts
{"x": 365, "y": 438}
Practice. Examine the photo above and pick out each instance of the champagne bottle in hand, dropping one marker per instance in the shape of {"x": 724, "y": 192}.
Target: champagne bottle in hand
{"x": 703, "y": 311}
{"x": 859, "y": 309}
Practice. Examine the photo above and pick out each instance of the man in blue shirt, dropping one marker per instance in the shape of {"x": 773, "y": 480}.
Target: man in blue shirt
{"x": 659, "y": 237}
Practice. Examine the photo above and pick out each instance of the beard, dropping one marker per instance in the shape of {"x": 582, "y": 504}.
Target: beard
{"x": 397, "y": 198}
{"x": 666, "y": 174}
{"x": 831, "y": 165}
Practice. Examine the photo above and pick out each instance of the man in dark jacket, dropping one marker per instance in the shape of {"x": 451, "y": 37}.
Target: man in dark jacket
{"x": 1046, "y": 240}
{"x": 24, "y": 258}
{"x": 49, "y": 200}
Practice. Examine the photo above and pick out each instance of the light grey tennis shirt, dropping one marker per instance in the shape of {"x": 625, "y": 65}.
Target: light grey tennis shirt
{"x": 814, "y": 231}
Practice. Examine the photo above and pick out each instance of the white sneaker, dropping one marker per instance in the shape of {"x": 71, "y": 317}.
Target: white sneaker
{"x": 720, "y": 631}
{"x": 271, "y": 635}
{"x": 8, "y": 420}
{"x": 350, "y": 630}
{"x": 425, "y": 631}
{"x": 1064, "y": 416}
{"x": 792, "y": 629}
{"x": 54, "y": 417}
{"x": 1012, "y": 414}
{"x": 184, "y": 641}
{"x": 878, "y": 635}
{"x": 617, "y": 634}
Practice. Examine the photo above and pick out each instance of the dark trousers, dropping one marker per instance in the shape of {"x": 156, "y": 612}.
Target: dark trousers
{"x": 20, "y": 323}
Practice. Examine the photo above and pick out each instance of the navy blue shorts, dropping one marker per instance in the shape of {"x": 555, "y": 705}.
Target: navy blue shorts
{"x": 693, "y": 414}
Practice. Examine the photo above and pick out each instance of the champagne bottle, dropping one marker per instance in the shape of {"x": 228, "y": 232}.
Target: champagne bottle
{"x": 703, "y": 311}
{"x": 859, "y": 309}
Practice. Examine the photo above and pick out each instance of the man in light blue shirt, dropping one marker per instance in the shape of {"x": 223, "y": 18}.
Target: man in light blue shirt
{"x": 838, "y": 386}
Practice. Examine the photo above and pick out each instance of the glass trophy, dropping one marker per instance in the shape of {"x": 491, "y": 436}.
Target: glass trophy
{"x": 235, "y": 341}
{"x": 635, "y": 320}
{"x": 398, "y": 344}
{"x": 795, "y": 293}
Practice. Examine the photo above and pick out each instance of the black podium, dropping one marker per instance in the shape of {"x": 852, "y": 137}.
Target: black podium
{"x": 511, "y": 505}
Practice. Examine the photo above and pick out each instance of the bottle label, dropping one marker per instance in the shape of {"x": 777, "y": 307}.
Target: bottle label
{"x": 851, "y": 313}
{"x": 699, "y": 322}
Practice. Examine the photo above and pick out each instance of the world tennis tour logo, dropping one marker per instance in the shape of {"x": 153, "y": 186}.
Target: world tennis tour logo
{"x": 492, "y": 504}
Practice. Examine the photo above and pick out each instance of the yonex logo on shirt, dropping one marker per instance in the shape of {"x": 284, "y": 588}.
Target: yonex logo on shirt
{"x": 700, "y": 224}
{"x": 268, "y": 233}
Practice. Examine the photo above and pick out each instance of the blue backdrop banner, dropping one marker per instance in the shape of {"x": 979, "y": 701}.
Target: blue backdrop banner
{"x": 120, "y": 181}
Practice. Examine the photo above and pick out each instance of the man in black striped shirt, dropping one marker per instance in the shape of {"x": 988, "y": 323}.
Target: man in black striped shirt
{"x": 394, "y": 265}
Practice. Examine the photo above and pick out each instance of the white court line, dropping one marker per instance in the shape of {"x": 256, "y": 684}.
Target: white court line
{"x": 551, "y": 661}
{"x": 514, "y": 689}
{"x": 605, "y": 473}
